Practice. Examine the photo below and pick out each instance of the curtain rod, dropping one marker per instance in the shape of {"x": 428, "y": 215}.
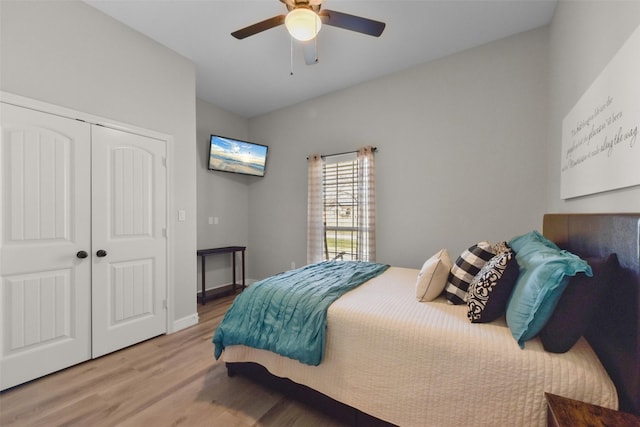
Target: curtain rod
{"x": 374, "y": 149}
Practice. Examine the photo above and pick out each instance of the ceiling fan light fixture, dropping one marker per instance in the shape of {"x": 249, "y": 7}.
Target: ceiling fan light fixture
{"x": 303, "y": 24}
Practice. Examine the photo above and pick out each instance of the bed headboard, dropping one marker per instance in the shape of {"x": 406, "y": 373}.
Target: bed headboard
{"x": 614, "y": 333}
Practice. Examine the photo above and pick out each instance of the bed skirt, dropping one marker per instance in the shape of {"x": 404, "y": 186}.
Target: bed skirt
{"x": 308, "y": 396}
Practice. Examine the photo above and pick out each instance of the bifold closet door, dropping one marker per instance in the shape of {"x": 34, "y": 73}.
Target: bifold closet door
{"x": 83, "y": 246}
{"x": 45, "y": 244}
{"x": 129, "y": 239}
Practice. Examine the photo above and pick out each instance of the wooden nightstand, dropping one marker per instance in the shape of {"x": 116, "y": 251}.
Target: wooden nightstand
{"x": 564, "y": 412}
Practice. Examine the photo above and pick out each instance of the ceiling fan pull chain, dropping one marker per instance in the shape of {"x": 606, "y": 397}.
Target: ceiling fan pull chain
{"x": 291, "y": 55}
{"x": 315, "y": 41}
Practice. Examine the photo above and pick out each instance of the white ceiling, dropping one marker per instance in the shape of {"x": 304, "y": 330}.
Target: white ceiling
{"x": 251, "y": 77}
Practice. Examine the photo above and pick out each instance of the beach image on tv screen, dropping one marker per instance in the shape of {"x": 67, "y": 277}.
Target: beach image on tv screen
{"x": 237, "y": 156}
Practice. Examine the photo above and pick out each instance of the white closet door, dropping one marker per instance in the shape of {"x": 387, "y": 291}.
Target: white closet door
{"x": 129, "y": 225}
{"x": 45, "y": 288}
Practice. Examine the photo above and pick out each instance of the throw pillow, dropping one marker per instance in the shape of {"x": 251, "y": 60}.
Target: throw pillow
{"x": 464, "y": 270}
{"x": 433, "y": 276}
{"x": 500, "y": 247}
{"x": 489, "y": 291}
{"x": 534, "y": 237}
{"x": 578, "y": 304}
{"x": 544, "y": 273}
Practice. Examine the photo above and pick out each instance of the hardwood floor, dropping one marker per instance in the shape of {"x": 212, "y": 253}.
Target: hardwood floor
{"x": 171, "y": 380}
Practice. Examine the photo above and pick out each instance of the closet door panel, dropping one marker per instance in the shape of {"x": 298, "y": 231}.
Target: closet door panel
{"x": 45, "y": 289}
{"x": 129, "y": 225}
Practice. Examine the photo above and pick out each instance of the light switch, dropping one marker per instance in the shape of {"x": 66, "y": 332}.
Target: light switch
{"x": 210, "y": 220}
{"x": 182, "y": 215}
{"x": 216, "y": 220}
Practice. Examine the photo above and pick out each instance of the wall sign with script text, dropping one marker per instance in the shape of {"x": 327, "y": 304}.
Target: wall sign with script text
{"x": 600, "y": 142}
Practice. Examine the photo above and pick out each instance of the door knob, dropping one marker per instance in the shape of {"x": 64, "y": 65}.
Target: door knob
{"x": 101, "y": 253}
{"x": 82, "y": 254}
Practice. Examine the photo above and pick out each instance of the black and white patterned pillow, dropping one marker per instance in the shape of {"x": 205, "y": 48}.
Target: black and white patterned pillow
{"x": 490, "y": 289}
{"x": 464, "y": 270}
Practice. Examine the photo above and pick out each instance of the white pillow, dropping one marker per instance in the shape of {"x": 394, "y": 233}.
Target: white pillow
{"x": 433, "y": 276}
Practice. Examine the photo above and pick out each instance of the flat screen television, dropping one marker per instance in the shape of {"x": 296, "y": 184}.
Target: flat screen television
{"x": 233, "y": 155}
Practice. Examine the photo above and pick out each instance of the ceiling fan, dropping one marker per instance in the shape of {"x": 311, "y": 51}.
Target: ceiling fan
{"x": 304, "y": 20}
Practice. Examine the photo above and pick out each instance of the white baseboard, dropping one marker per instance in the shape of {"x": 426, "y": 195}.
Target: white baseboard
{"x": 184, "y": 323}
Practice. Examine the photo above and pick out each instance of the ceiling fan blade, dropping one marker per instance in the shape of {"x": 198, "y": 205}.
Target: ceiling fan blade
{"x": 258, "y": 27}
{"x": 310, "y": 49}
{"x": 352, "y": 22}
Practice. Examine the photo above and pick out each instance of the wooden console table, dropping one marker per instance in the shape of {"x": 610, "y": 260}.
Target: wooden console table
{"x": 203, "y": 253}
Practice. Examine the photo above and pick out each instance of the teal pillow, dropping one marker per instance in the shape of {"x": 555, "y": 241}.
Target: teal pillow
{"x": 517, "y": 243}
{"x": 544, "y": 273}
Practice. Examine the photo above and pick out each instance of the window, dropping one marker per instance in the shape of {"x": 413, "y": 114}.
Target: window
{"x": 341, "y": 207}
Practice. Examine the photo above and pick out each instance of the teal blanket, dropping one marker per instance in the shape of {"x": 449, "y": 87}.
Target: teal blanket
{"x": 287, "y": 313}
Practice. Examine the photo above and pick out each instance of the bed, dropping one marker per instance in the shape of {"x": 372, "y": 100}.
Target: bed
{"x": 390, "y": 360}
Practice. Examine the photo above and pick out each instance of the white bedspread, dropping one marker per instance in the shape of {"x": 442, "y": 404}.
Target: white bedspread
{"x": 424, "y": 364}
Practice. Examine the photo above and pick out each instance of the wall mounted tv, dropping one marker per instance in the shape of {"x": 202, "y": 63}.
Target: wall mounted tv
{"x": 233, "y": 155}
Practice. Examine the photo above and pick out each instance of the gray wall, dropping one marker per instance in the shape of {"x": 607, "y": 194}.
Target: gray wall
{"x": 69, "y": 54}
{"x": 220, "y": 195}
{"x": 462, "y": 155}
{"x": 469, "y": 145}
{"x": 584, "y": 37}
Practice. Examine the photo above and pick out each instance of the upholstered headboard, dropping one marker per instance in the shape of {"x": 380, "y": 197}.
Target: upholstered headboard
{"x": 614, "y": 333}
